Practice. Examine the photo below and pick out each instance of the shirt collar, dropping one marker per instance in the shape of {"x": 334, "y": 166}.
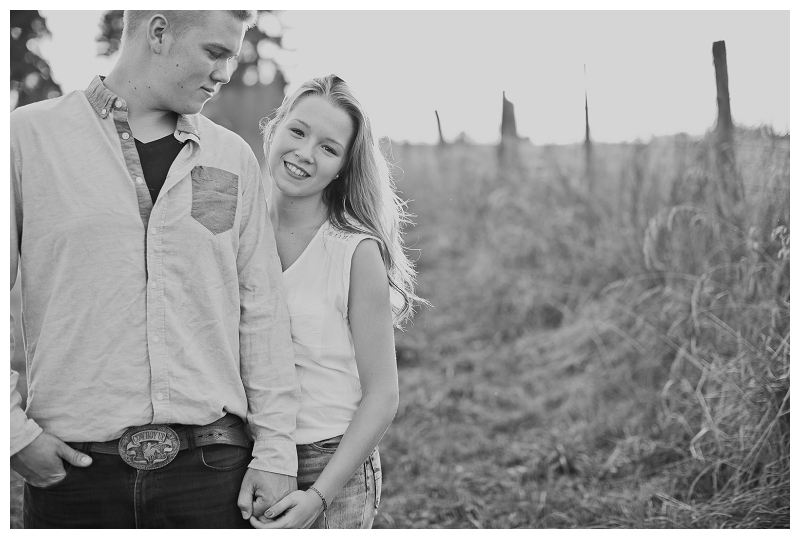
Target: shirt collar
{"x": 100, "y": 97}
{"x": 103, "y": 100}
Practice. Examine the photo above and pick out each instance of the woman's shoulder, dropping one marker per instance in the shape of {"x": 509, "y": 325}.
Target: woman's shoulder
{"x": 345, "y": 236}
{"x": 341, "y": 246}
{"x": 333, "y": 232}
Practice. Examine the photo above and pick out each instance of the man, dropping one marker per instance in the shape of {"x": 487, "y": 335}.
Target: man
{"x": 153, "y": 310}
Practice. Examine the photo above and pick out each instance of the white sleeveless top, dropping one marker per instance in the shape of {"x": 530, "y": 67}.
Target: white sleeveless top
{"x": 317, "y": 287}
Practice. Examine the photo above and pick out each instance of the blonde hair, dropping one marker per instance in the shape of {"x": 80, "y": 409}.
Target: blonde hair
{"x": 363, "y": 199}
{"x": 181, "y": 20}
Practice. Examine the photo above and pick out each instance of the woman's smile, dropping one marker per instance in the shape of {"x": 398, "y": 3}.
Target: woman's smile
{"x": 296, "y": 171}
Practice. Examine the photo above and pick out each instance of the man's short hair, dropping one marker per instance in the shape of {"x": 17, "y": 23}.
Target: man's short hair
{"x": 180, "y": 20}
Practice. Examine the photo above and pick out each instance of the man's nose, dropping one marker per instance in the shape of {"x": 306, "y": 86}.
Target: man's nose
{"x": 221, "y": 73}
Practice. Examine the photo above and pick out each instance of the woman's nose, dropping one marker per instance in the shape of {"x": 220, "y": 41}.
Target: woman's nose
{"x": 303, "y": 154}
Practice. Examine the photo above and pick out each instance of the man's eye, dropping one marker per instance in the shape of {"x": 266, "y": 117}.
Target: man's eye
{"x": 214, "y": 55}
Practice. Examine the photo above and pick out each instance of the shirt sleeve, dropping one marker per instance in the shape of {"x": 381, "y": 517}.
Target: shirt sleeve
{"x": 265, "y": 342}
{"x": 23, "y": 430}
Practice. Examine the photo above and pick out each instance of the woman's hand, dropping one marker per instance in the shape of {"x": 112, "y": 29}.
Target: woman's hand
{"x": 298, "y": 509}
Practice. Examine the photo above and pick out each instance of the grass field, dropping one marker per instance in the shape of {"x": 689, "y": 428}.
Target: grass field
{"x": 603, "y": 350}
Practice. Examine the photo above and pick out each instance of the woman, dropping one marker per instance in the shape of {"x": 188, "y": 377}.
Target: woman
{"x": 337, "y": 225}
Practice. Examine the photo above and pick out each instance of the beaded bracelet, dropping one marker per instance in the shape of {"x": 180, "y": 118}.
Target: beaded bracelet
{"x": 324, "y": 501}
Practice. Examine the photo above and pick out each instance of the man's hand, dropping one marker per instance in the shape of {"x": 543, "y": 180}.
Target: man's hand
{"x": 261, "y": 490}
{"x": 40, "y": 462}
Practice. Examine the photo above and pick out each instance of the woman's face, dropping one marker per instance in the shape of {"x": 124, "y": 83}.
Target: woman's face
{"x": 310, "y": 147}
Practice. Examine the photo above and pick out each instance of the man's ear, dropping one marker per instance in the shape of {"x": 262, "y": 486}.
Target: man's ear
{"x": 155, "y": 32}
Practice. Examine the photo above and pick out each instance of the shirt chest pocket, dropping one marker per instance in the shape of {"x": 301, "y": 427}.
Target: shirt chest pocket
{"x": 214, "y": 198}
{"x": 306, "y": 326}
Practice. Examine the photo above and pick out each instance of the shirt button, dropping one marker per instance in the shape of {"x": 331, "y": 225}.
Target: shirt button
{"x": 152, "y": 231}
{"x": 139, "y": 180}
{"x": 154, "y": 285}
{"x": 160, "y": 396}
{"x": 118, "y": 103}
{"x": 156, "y": 339}
{"x": 125, "y": 136}
{"x": 103, "y": 112}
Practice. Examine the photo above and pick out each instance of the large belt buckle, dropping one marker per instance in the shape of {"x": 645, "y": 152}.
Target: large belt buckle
{"x": 149, "y": 447}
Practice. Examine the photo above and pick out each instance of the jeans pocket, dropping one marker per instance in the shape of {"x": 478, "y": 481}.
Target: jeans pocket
{"x": 223, "y": 457}
{"x": 214, "y": 198}
{"x": 327, "y": 446}
{"x": 67, "y": 469}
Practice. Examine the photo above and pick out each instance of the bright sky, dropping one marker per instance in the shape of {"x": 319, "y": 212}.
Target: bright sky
{"x": 647, "y": 72}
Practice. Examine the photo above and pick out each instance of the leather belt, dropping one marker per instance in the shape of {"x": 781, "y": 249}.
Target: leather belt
{"x": 227, "y": 430}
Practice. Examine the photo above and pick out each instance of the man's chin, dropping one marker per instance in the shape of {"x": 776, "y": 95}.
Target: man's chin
{"x": 193, "y": 107}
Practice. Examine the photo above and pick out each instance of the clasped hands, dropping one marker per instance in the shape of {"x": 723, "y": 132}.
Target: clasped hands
{"x": 266, "y": 493}
{"x": 296, "y": 509}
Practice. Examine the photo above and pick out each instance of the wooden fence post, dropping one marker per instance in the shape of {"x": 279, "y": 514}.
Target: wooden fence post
{"x": 724, "y": 119}
{"x": 509, "y": 140}
{"x": 439, "y": 126}
{"x": 587, "y": 142}
{"x": 508, "y": 127}
{"x": 731, "y": 187}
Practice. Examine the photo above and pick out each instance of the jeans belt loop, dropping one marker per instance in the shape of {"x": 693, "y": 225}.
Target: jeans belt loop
{"x": 190, "y": 438}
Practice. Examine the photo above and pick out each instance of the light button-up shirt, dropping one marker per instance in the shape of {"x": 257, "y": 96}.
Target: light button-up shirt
{"x": 123, "y": 327}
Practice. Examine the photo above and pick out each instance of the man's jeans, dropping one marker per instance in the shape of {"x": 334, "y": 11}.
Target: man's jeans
{"x": 199, "y": 489}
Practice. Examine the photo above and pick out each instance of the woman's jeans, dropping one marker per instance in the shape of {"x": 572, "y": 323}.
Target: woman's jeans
{"x": 357, "y": 503}
{"x": 199, "y": 489}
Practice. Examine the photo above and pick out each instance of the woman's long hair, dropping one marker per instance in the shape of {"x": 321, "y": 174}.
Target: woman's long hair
{"x": 363, "y": 199}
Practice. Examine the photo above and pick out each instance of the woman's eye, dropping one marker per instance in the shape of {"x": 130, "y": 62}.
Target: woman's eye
{"x": 329, "y": 150}
{"x": 296, "y": 131}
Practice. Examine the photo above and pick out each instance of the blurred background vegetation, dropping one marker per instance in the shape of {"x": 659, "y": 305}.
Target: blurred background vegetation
{"x": 613, "y": 357}
{"x": 609, "y": 339}
{"x": 30, "y": 73}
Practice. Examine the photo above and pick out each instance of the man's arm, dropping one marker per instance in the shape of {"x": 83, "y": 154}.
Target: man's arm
{"x": 23, "y": 430}
{"x": 35, "y": 455}
{"x": 266, "y": 355}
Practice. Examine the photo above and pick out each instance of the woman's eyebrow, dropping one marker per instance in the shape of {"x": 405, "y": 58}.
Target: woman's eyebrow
{"x": 329, "y": 139}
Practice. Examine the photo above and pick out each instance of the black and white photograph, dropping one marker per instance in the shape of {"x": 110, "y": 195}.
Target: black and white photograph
{"x": 508, "y": 266}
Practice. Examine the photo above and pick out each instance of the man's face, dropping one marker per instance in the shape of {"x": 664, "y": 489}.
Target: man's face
{"x": 194, "y": 65}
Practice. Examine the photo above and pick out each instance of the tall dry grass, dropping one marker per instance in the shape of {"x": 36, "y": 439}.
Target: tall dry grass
{"x": 663, "y": 329}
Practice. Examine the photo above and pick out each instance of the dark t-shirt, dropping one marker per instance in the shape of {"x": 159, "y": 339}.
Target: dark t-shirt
{"x": 156, "y": 157}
